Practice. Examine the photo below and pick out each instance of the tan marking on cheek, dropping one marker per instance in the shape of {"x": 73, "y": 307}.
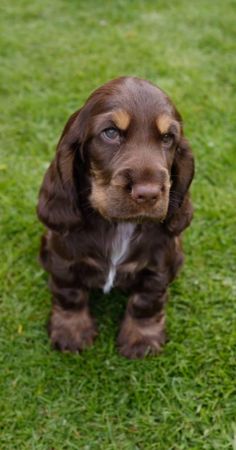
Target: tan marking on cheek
{"x": 97, "y": 175}
{"x": 98, "y": 197}
{"x": 121, "y": 119}
{"x": 163, "y": 123}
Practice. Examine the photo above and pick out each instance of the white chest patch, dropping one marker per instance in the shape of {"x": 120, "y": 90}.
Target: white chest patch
{"x": 120, "y": 248}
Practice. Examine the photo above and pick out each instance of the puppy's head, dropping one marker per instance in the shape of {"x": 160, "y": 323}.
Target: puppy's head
{"x": 124, "y": 153}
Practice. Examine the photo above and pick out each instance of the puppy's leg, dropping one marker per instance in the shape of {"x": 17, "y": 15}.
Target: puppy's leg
{"x": 71, "y": 327}
{"x": 143, "y": 328}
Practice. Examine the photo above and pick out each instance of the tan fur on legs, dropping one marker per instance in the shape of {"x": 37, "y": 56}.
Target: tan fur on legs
{"x": 139, "y": 337}
{"x": 71, "y": 330}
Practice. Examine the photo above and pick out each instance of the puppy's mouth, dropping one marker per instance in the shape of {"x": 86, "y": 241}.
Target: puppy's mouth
{"x": 138, "y": 217}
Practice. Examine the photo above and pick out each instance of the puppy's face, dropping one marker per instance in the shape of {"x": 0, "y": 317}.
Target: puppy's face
{"x": 124, "y": 152}
{"x": 131, "y": 137}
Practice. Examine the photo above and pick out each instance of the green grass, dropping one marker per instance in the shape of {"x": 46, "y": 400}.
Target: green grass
{"x": 54, "y": 53}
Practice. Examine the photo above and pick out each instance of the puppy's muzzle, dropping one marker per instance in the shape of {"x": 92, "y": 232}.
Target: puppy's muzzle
{"x": 146, "y": 187}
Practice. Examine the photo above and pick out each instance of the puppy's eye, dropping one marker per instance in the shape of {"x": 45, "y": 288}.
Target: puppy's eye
{"x": 167, "y": 138}
{"x": 111, "y": 134}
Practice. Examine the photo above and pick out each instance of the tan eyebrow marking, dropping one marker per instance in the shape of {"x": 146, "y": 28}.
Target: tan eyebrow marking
{"x": 121, "y": 119}
{"x": 163, "y": 123}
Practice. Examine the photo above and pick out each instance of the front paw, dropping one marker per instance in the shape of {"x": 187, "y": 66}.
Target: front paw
{"x": 71, "y": 331}
{"x": 142, "y": 337}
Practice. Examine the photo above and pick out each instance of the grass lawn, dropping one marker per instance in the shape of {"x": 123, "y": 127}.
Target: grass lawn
{"x": 54, "y": 53}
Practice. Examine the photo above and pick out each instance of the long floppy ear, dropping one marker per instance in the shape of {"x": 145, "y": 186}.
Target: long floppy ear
{"x": 58, "y": 199}
{"x": 180, "y": 210}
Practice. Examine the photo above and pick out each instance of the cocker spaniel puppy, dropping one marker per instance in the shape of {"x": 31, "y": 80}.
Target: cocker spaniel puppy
{"x": 115, "y": 201}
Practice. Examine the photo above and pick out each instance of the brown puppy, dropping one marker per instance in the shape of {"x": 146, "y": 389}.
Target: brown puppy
{"x": 115, "y": 201}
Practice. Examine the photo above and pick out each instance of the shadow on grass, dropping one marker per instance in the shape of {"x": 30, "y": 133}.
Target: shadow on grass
{"x": 108, "y": 310}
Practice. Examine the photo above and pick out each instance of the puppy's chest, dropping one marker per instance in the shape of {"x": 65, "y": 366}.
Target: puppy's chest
{"x": 119, "y": 251}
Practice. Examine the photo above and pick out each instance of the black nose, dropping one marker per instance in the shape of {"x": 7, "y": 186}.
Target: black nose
{"x": 146, "y": 193}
